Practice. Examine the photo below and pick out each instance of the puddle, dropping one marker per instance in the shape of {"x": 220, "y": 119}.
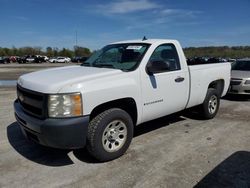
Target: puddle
{"x": 8, "y": 83}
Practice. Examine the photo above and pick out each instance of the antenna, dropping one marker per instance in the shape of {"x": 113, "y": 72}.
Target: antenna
{"x": 144, "y": 38}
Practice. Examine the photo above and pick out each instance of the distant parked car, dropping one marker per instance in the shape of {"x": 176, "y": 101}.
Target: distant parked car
{"x": 231, "y": 60}
{"x": 30, "y": 59}
{"x": 240, "y": 79}
{"x": 53, "y": 60}
{"x": 14, "y": 58}
{"x": 205, "y": 60}
{"x": 63, "y": 60}
{"x": 197, "y": 60}
{"x": 80, "y": 59}
{"x": 45, "y": 58}
{"x": 22, "y": 60}
{"x": 4, "y": 60}
{"x": 216, "y": 60}
{"x": 39, "y": 59}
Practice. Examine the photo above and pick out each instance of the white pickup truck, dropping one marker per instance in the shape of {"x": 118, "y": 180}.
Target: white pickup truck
{"x": 99, "y": 103}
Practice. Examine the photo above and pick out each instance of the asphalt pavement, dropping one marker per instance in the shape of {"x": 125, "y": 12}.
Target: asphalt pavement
{"x": 174, "y": 151}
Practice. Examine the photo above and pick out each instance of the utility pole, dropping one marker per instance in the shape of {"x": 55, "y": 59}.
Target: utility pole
{"x": 76, "y": 37}
{"x": 76, "y": 45}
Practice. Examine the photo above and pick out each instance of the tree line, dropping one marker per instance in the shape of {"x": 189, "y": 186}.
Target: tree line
{"x": 221, "y": 51}
{"x": 49, "y": 51}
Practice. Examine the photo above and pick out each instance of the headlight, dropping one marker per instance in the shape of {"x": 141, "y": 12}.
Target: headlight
{"x": 65, "y": 105}
{"x": 247, "y": 82}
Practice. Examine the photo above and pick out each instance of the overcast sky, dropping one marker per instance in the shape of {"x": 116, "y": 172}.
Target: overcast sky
{"x": 98, "y": 22}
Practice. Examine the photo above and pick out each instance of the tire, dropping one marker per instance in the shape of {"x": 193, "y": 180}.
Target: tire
{"x": 211, "y": 104}
{"x": 109, "y": 134}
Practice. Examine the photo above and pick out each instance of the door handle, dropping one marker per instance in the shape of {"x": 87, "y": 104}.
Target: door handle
{"x": 179, "y": 79}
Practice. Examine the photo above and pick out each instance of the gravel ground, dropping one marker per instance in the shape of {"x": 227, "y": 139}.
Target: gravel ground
{"x": 175, "y": 151}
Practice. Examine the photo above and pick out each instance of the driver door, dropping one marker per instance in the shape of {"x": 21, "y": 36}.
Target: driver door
{"x": 166, "y": 91}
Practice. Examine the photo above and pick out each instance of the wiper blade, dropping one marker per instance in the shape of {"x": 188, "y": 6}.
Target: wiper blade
{"x": 85, "y": 64}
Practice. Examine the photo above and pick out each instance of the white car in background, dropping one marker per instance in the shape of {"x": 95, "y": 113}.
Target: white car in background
{"x": 59, "y": 60}
{"x": 53, "y": 60}
{"x": 240, "y": 77}
{"x": 30, "y": 59}
{"x": 45, "y": 58}
{"x": 63, "y": 60}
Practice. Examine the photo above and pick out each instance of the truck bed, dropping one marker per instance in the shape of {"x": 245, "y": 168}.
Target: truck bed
{"x": 206, "y": 73}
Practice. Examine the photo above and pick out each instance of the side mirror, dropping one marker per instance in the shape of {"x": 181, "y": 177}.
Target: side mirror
{"x": 157, "y": 67}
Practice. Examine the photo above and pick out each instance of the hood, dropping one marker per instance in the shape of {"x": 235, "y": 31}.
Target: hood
{"x": 240, "y": 74}
{"x": 53, "y": 80}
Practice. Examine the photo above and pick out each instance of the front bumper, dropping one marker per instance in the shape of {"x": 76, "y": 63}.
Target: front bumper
{"x": 64, "y": 133}
{"x": 240, "y": 89}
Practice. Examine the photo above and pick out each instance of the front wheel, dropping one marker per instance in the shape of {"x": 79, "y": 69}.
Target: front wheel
{"x": 211, "y": 104}
{"x": 109, "y": 134}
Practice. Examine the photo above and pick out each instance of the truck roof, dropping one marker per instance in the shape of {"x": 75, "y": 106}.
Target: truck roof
{"x": 148, "y": 41}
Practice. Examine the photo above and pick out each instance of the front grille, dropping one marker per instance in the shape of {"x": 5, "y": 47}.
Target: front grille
{"x": 32, "y": 102}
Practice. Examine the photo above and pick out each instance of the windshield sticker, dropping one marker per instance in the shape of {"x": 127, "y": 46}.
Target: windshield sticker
{"x": 134, "y": 47}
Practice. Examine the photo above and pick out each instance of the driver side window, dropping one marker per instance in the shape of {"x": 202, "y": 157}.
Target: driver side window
{"x": 166, "y": 53}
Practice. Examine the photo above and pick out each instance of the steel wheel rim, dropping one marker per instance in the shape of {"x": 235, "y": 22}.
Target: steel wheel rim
{"x": 114, "y": 136}
{"x": 212, "y": 104}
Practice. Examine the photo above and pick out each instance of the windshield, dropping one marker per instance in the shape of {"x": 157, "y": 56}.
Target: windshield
{"x": 241, "y": 65}
{"x": 126, "y": 56}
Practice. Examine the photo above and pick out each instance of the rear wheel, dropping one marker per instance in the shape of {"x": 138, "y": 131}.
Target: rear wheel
{"x": 211, "y": 104}
{"x": 109, "y": 134}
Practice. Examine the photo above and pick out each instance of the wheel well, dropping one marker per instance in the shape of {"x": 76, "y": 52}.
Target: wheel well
{"x": 126, "y": 104}
{"x": 218, "y": 85}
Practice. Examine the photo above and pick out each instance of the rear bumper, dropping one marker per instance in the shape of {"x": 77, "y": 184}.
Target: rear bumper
{"x": 64, "y": 133}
